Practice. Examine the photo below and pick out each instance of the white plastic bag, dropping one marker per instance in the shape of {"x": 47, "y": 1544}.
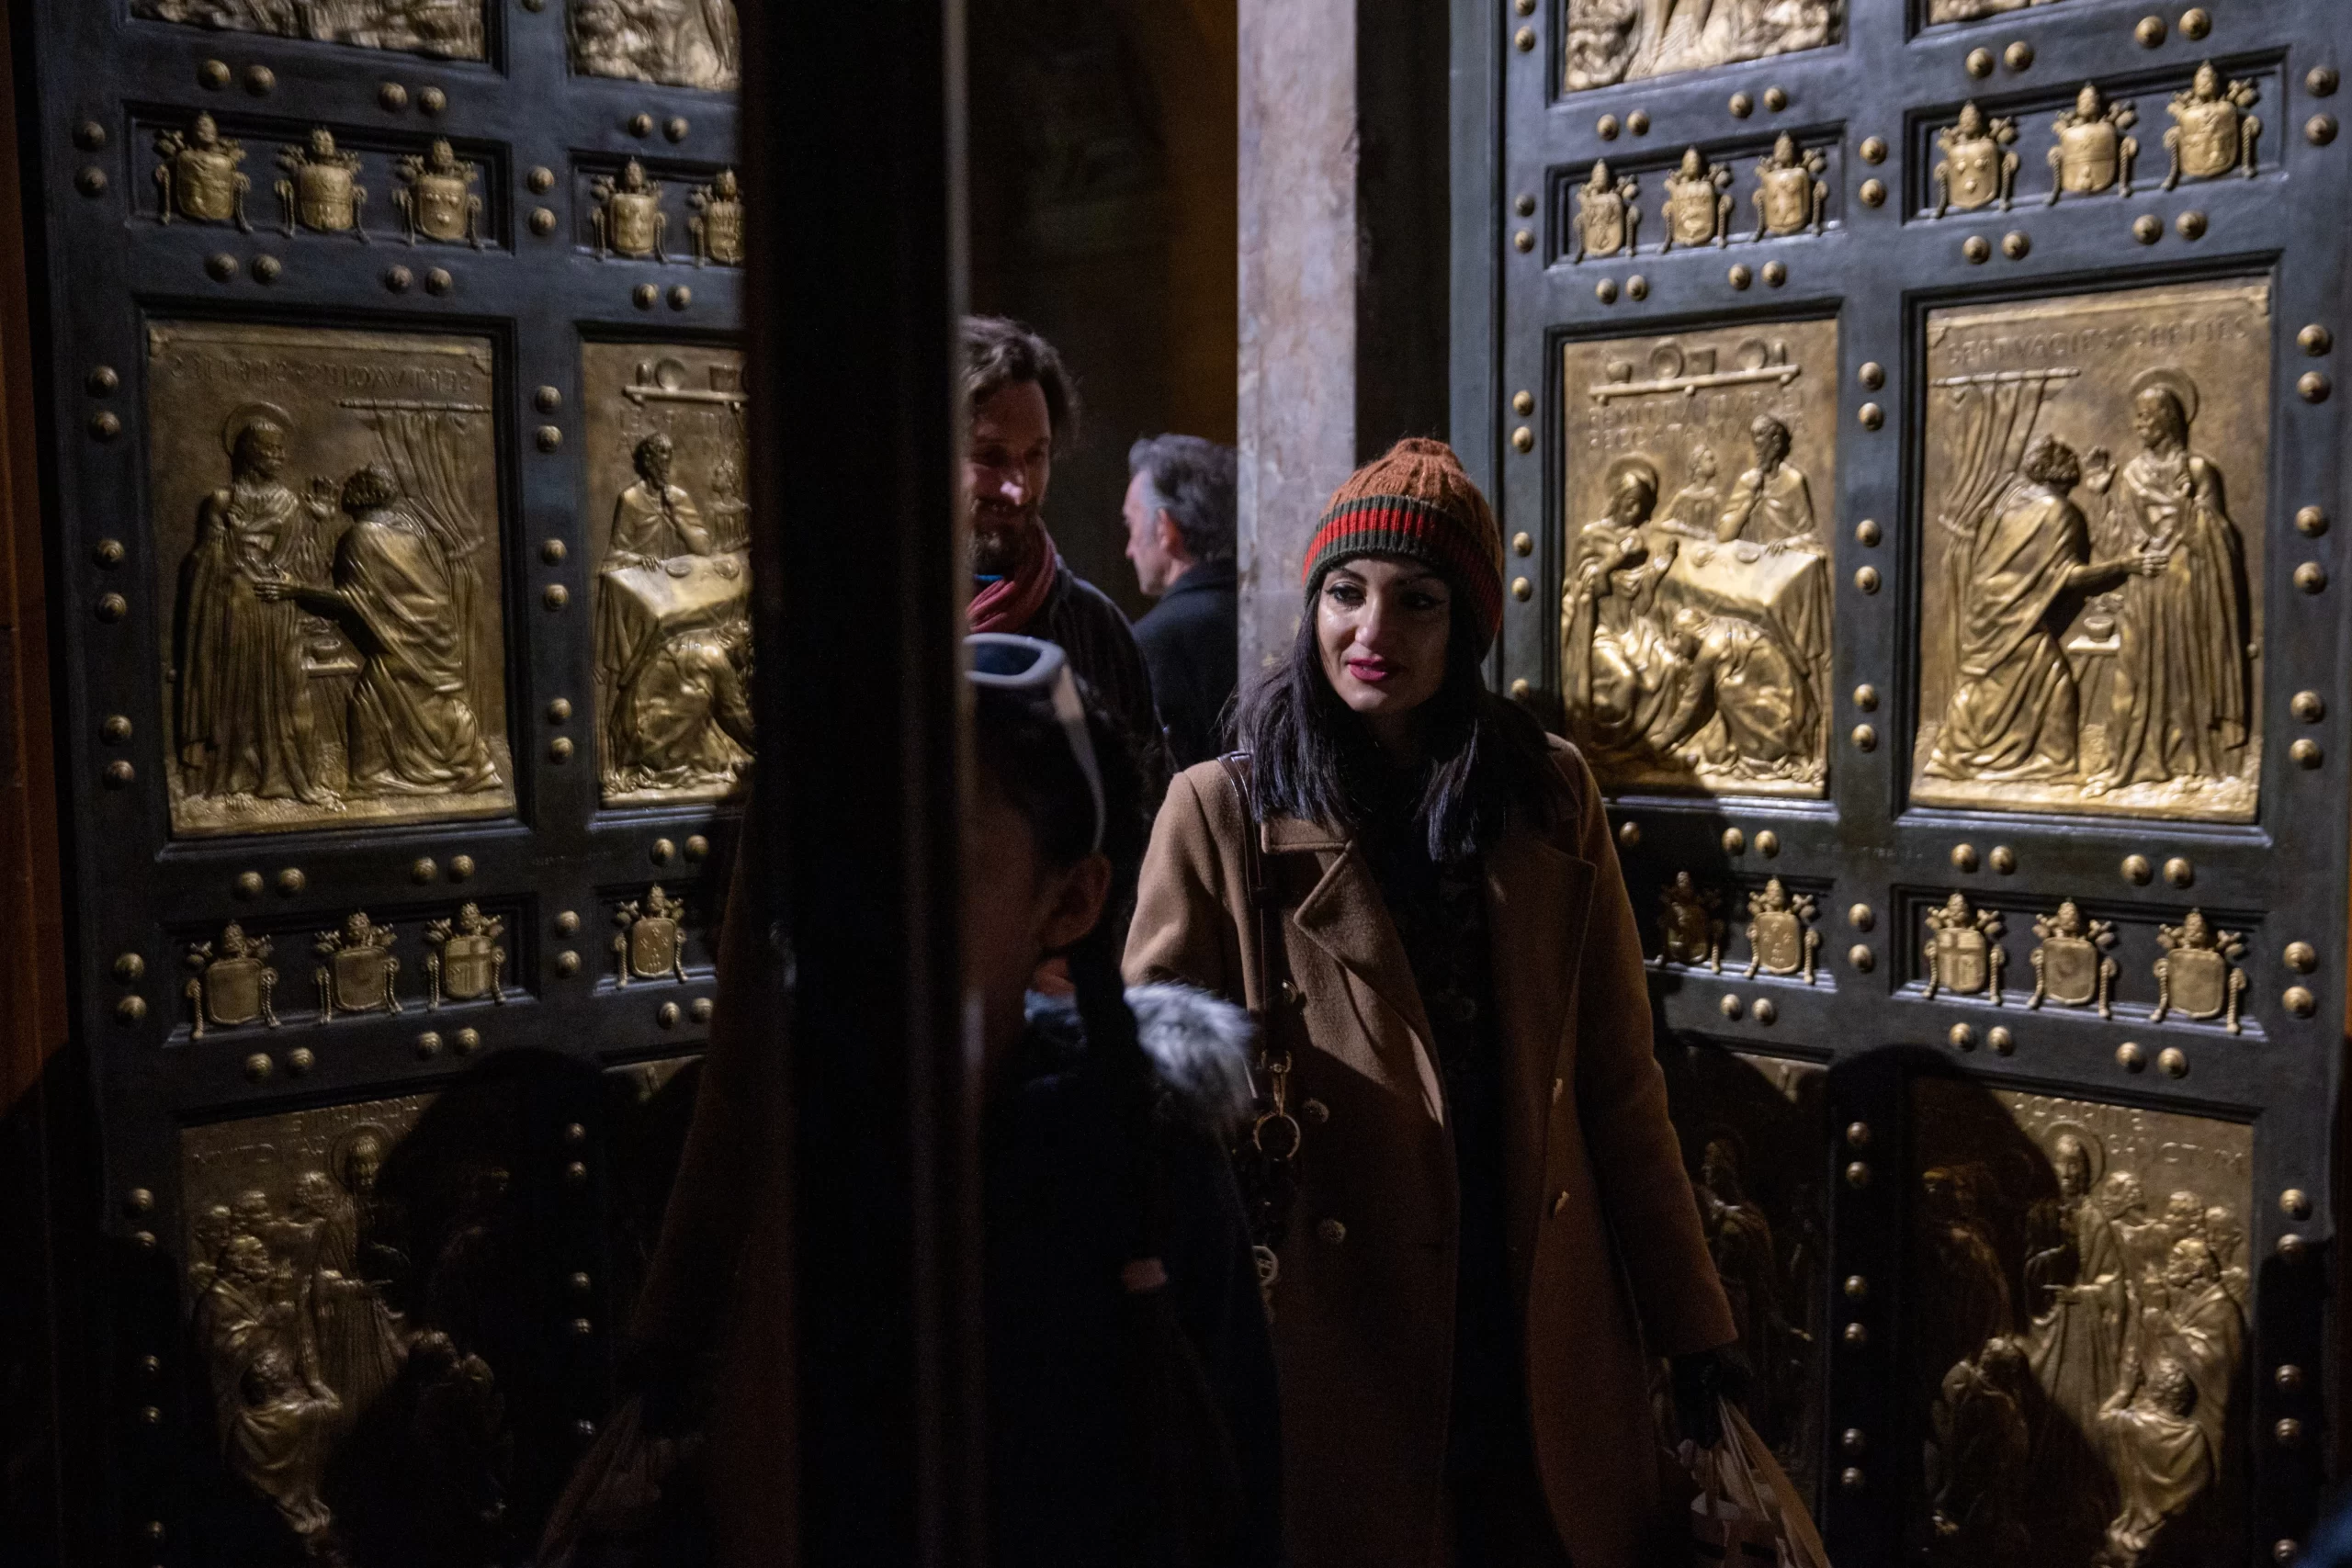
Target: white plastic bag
{"x": 1747, "y": 1514}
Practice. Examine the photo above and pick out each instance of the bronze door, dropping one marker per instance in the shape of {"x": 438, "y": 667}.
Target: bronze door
{"x": 396, "y": 469}
{"x": 1914, "y": 431}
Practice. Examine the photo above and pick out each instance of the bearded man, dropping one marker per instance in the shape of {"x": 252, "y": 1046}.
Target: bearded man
{"x": 1021, "y": 403}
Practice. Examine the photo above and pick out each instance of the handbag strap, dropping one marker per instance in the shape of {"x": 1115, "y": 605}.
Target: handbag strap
{"x": 1274, "y": 1136}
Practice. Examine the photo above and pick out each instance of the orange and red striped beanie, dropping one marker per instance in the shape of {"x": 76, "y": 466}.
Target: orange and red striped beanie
{"x": 1415, "y": 501}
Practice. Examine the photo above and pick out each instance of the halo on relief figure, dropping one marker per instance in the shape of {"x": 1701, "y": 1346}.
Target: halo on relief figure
{"x": 2172, "y": 381}
{"x": 245, "y": 417}
{"x": 2094, "y": 1150}
{"x": 1633, "y": 465}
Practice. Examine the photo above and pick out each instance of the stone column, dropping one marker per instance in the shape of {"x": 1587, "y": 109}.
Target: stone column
{"x": 1343, "y": 248}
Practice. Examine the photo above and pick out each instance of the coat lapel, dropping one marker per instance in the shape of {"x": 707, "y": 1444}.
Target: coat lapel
{"x": 1343, "y": 914}
{"x": 1538, "y": 899}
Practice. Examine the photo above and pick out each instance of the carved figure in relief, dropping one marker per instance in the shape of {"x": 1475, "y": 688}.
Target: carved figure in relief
{"x": 200, "y": 178}
{"x": 2199, "y": 974}
{"x": 2134, "y": 1335}
{"x": 2163, "y": 1458}
{"x": 320, "y": 190}
{"x": 2093, "y": 154}
{"x": 717, "y": 223}
{"x": 1971, "y": 10}
{"x": 650, "y": 945}
{"x": 1633, "y": 496}
{"x": 359, "y": 970}
{"x": 1607, "y": 221}
{"x": 1625, "y": 678}
{"x": 2212, "y": 133}
{"x": 1790, "y": 195}
{"x": 2181, "y": 712}
{"x": 1964, "y": 954}
{"x": 2014, "y": 709}
{"x": 439, "y": 202}
{"x": 1980, "y": 1444}
{"x": 1698, "y": 505}
{"x": 1771, "y": 504}
{"x": 467, "y": 962}
{"x": 679, "y": 43}
{"x": 674, "y": 684}
{"x": 449, "y": 28}
{"x": 1781, "y": 938}
{"x": 244, "y": 713}
{"x": 2070, "y": 965}
{"x": 361, "y": 1340}
{"x": 397, "y": 595}
{"x": 277, "y": 1418}
{"x": 2079, "y": 1302}
{"x": 1978, "y": 168}
{"x": 1739, "y": 1240}
{"x": 1690, "y": 928}
{"x": 1622, "y": 40}
{"x": 628, "y": 218}
{"x": 1698, "y": 203}
{"x": 229, "y": 985}
{"x": 1736, "y": 673}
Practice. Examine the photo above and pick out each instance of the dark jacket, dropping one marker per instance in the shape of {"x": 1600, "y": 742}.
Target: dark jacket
{"x": 1190, "y": 642}
{"x": 1102, "y": 649}
{"x": 1070, "y": 1345}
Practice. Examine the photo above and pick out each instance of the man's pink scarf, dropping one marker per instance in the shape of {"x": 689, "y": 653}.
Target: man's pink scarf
{"x": 1012, "y": 600}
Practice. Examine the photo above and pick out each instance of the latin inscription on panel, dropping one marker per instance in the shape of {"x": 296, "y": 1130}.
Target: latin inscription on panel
{"x": 679, "y": 43}
{"x": 666, "y": 471}
{"x": 1619, "y": 41}
{"x": 329, "y": 502}
{"x": 1754, "y": 1134}
{"x": 2091, "y": 613}
{"x": 1695, "y": 614}
{"x": 2083, "y": 1297}
{"x": 451, "y": 28}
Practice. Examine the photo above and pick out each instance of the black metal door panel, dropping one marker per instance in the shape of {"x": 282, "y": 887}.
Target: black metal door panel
{"x": 395, "y": 480}
{"x": 1919, "y": 455}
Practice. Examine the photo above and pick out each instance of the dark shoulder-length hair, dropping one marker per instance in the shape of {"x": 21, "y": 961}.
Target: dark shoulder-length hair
{"x": 1485, "y": 758}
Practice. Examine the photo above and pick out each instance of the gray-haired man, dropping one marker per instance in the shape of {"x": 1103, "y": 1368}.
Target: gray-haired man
{"x": 1180, "y": 536}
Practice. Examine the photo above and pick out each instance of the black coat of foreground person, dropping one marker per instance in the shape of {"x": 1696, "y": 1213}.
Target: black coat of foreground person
{"x": 1130, "y": 1375}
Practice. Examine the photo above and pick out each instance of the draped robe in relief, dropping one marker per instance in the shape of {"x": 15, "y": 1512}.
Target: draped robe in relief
{"x": 245, "y": 723}
{"x": 2180, "y": 704}
{"x": 2075, "y": 1346}
{"x": 411, "y": 731}
{"x": 2014, "y": 711}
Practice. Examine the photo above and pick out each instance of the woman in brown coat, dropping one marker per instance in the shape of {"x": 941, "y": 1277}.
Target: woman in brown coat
{"x": 1492, "y": 1231}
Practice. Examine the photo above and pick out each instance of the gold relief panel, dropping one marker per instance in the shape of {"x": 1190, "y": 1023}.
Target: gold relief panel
{"x": 678, "y": 43}
{"x": 1754, "y": 1132}
{"x": 329, "y": 502}
{"x": 1611, "y": 41}
{"x": 2081, "y": 1295}
{"x": 1695, "y": 608}
{"x": 352, "y": 1303}
{"x": 452, "y": 30}
{"x": 2091, "y": 611}
{"x": 666, "y": 455}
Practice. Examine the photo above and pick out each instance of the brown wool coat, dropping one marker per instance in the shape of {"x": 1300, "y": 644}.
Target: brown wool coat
{"x": 1606, "y": 1246}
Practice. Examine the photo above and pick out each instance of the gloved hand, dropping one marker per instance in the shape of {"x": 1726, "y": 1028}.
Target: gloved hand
{"x": 1700, "y": 1380}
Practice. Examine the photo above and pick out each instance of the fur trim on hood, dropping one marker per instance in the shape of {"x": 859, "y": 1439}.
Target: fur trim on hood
{"x": 1201, "y": 1047}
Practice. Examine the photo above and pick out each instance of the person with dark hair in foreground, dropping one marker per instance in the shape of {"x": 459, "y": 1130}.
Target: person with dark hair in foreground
{"x": 1179, "y": 515}
{"x": 1023, "y": 405}
{"x": 1130, "y": 1380}
{"x": 1491, "y": 1219}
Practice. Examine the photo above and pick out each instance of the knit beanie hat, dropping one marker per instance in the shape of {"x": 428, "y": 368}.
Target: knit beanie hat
{"x": 1415, "y": 501}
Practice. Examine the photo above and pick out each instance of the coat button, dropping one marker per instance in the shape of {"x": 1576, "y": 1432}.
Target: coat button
{"x": 1559, "y": 1202}
{"x": 1316, "y": 1111}
{"x": 1291, "y": 996}
{"x": 1332, "y": 1231}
